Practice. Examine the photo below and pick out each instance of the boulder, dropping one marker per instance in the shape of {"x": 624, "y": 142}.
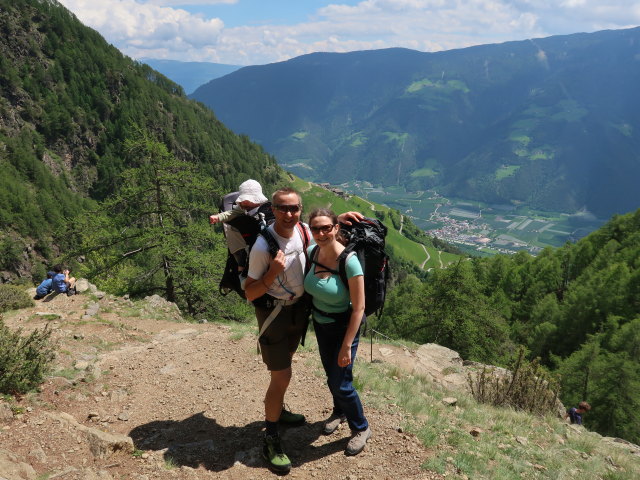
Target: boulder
{"x": 12, "y": 468}
{"x": 82, "y": 285}
{"x": 102, "y": 444}
{"x": 442, "y": 365}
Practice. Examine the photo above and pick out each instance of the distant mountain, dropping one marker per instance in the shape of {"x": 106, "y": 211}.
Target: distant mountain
{"x": 190, "y": 75}
{"x": 552, "y": 122}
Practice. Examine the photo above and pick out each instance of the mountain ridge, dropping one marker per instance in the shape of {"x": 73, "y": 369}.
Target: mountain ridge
{"x": 557, "y": 114}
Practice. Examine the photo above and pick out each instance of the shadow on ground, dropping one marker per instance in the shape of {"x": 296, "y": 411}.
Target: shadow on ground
{"x": 200, "y": 441}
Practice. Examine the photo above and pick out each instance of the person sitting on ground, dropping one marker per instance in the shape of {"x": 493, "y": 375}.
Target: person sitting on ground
{"x": 250, "y": 198}
{"x": 46, "y": 287}
{"x": 62, "y": 283}
{"x": 575, "y": 414}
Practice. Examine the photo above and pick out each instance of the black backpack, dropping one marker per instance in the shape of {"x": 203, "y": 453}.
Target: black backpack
{"x": 366, "y": 239}
{"x": 249, "y": 226}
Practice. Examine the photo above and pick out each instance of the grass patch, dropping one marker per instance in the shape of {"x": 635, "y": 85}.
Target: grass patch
{"x": 506, "y": 171}
{"x": 170, "y": 463}
{"x": 68, "y": 373}
{"x": 396, "y": 137}
{"x": 550, "y": 448}
{"x": 424, "y": 172}
{"x": 419, "y": 85}
{"x": 238, "y": 335}
{"x": 300, "y": 135}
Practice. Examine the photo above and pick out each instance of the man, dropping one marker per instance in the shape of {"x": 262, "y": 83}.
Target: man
{"x": 275, "y": 285}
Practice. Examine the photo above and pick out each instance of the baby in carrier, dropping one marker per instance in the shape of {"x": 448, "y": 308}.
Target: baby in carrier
{"x": 241, "y": 221}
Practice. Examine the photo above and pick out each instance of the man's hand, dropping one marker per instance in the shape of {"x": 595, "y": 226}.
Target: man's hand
{"x": 213, "y": 219}
{"x": 349, "y": 217}
{"x": 277, "y": 263}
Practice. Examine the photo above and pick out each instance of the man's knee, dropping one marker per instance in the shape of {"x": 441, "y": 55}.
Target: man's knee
{"x": 281, "y": 377}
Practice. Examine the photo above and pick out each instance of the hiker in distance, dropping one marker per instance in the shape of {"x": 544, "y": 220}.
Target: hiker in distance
{"x": 62, "y": 282}
{"x": 575, "y": 414}
{"x": 337, "y": 312}
{"x": 45, "y": 287}
{"x": 277, "y": 264}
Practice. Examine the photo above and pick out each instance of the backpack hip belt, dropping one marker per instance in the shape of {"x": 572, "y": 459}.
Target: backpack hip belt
{"x": 278, "y": 304}
{"x": 338, "y": 316}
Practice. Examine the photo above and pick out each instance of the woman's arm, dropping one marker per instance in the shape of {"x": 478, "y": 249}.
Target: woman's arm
{"x": 356, "y": 293}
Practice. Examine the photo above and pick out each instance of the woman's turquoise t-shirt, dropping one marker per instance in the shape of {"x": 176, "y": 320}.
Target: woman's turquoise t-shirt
{"x": 330, "y": 294}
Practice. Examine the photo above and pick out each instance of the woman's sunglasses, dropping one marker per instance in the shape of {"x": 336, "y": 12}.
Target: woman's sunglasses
{"x": 288, "y": 208}
{"x": 324, "y": 229}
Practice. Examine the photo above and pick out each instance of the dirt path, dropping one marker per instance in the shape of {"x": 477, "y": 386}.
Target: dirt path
{"x": 190, "y": 397}
{"x": 427, "y": 259}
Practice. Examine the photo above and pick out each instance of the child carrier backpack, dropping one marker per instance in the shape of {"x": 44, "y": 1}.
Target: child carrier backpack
{"x": 366, "y": 239}
{"x": 249, "y": 226}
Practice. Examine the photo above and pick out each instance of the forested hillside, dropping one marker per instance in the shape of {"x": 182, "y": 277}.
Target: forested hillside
{"x": 105, "y": 165}
{"x": 577, "y": 308}
{"x": 69, "y": 104}
{"x": 551, "y": 122}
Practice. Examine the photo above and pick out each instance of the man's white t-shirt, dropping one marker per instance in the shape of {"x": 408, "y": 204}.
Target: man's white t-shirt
{"x": 290, "y": 282}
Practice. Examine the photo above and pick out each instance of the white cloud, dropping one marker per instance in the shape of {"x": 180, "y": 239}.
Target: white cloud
{"x": 152, "y": 28}
{"x": 175, "y": 3}
{"x": 134, "y": 26}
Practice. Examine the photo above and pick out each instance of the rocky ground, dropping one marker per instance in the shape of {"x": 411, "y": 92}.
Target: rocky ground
{"x": 140, "y": 395}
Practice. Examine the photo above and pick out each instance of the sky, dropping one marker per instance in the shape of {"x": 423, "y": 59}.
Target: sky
{"x": 255, "y": 32}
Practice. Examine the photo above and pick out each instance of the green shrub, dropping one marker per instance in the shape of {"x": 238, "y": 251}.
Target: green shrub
{"x": 24, "y": 360}
{"x": 12, "y": 298}
{"x": 526, "y": 386}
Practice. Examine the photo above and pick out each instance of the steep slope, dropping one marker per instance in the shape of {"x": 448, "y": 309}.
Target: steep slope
{"x": 551, "y": 122}
{"x": 68, "y": 103}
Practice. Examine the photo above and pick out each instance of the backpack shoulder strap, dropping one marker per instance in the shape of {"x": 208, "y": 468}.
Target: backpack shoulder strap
{"x": 306, "y": 237}
{"x": 314, "y": 253}
{"x": 306, "y": 240}
{"x": 314, "y": 256}
{"x": 271, "y": 242}
{"x": 343, "y": 258}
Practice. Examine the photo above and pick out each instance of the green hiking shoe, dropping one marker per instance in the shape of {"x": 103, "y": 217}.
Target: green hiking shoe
{"x": 274, "y": 455}
{"x": 289, "y": 418}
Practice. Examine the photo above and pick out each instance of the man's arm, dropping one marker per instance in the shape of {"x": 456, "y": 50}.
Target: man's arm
{"x": 349, "y": 217}
{"x": 256, "y": 287}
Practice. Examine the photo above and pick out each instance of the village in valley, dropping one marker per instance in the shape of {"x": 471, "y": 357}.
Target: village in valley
{"x": 477, "y": 227}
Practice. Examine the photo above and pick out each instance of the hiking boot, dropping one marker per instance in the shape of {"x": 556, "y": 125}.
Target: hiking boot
{"x": 274, "y": 455}
{"x": 332, "y": 423}
{"x": 289, "y": 418}
{"x": 358, "y": 442}
{"x": 71, "y": 292}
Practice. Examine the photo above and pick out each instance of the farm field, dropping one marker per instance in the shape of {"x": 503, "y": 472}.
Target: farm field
{"x": 479, "y": 227}
{"x": 315, "y": 196}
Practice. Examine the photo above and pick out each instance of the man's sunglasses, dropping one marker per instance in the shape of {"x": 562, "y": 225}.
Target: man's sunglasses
{"x": 324, "y": 229}
{"x": 288, "y": 208}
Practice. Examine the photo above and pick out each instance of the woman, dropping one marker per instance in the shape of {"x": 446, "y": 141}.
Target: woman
{"x": 338, "y": 311}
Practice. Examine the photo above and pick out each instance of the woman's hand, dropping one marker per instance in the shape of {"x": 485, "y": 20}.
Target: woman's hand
{"x": 344, "y": 356}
